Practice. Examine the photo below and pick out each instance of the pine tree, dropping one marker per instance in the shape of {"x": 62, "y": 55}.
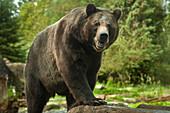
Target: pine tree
{"x": 10, "y": 46}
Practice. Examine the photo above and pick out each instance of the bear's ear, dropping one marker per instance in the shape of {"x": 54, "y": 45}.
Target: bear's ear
{"x": 90, "y": 9}
{"x": 117, "y": 13}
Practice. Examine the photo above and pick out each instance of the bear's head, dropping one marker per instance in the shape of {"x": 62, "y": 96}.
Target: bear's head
{"x": 101, "y": 28}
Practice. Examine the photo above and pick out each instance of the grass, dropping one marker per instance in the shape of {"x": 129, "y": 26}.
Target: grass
{"x": 153, "y": 90}
{"x": 57, "y": 99}
{"x": 134, "y": 105}
{"x": 140, "y": 92}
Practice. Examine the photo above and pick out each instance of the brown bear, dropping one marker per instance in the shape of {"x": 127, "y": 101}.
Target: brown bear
{"x": 66, "y": 56}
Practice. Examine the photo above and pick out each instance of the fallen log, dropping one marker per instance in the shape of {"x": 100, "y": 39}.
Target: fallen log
{"x": 158, "y": 99}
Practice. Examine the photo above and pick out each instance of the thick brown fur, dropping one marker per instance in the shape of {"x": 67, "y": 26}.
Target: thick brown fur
{"x": 64, "y": 58}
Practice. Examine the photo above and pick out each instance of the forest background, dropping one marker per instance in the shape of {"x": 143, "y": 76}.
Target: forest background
{"x": 141, "y": 53}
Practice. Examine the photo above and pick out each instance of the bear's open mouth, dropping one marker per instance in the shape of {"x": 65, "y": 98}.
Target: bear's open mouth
{"x": 100, "y": 44}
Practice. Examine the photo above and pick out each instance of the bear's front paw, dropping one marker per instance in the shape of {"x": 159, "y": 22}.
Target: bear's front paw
{"x": 92, "y": 102}
{"x": 95, "y": 102}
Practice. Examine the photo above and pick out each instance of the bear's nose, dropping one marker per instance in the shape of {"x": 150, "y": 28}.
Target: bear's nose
{"x": 103, "y": 36}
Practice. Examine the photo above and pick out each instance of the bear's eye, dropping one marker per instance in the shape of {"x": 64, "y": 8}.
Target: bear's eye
{"x": 109, "y": 26}
{"x": 96, "y": 24}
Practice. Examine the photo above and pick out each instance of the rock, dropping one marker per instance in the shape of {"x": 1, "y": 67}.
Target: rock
{"x": 22, "y": 102}
{"x": 101, "y": 96}
{"x": 112, "y": 109}
{"x": 127, "y": 88}
{"x": 100, "y": 87}
{"x": 115, "y": 103}
{"x": 16, "y": 78}
{"x": 131, "y": 100}
{"x": 23, "y": 111}
{"x": 56, "y": 111}
{"x": 17, "y": 69}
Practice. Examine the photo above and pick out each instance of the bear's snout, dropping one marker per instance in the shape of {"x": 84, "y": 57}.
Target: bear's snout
{"x": 103, "y": 37}
{"x": 102, "y": 34}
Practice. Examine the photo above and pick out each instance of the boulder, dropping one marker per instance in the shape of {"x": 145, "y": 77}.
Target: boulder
{"x": 17, "y": 77}
{"x": 112, "y": 109}
{"x": 17, "y": 69}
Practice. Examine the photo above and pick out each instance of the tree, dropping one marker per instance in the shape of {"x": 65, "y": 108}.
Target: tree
{"x": 10, "y": 46}
{"x": 135, "y": 54}
{"x": 32, "y": 19}
{"x": 163, "y": 66}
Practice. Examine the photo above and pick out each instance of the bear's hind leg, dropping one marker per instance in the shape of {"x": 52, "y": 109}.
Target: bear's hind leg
{"x": 37, "y": 96}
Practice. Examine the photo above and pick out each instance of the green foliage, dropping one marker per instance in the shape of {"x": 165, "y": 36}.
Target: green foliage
{"x": 10, "y": 43}
{"x": 163, "y": 66}
{"x": 61, "y": 98}
{"x": 11, "y": 92}
{"x": 33, "y": 20}
{"x": 133, "y": 56}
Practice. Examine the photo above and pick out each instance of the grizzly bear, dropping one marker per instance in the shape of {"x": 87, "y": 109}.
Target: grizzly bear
{"x": 66, "y": 56}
